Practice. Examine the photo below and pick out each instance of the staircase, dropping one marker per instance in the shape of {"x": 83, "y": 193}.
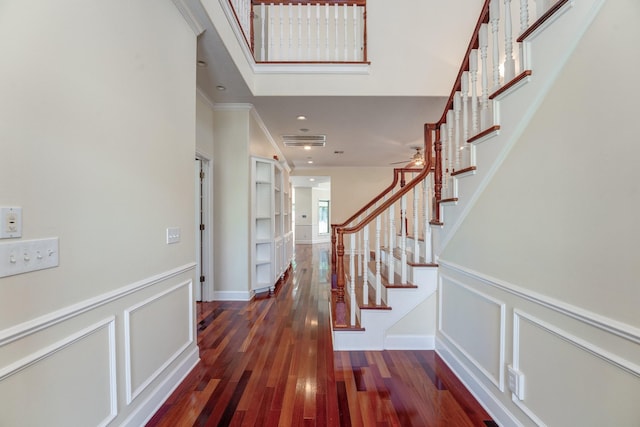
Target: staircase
{"x": 384, "y": 258}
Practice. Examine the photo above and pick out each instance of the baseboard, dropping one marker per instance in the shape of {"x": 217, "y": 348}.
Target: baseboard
{"x": 232, "y": 296}
{"x": 488, "y": 400}
{"x": 146, "y": 409}
{"x": 409, "y": 342}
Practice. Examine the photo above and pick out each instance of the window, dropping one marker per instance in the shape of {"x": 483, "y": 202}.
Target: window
{"x": 323, "y": 217}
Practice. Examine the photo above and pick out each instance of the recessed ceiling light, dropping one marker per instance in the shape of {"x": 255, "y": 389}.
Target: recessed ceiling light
{"x": 304, "y": 130}
{"x": 338, "y": 152}
{"x": 201, "y": 63}
{"x": 221, "y": 88}
{"x": 310, "y": 161}
{"x": 301, "y": 117}
{"x": 307, "y": 147}
{"x": 312, "y": 179}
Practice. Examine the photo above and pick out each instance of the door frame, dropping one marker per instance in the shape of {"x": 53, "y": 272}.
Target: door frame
{"x": 204, "y": 240}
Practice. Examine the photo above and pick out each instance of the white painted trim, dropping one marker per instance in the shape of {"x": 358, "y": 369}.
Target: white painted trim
{"x": 147, "y": 408}
{"x": 232, "y": 296}
{"x": 189, "y": 17}
{"x": 283, "y": 160}
{"x": 548, "y": 22}
{"x": 131, "y": 394}
{"x": 205, "y": 98}
{"x": 50, "y": 350}
{"x": 603, "y": 323}
{"x": 315, "y": 68}
{"x": 32, "y": 326}
{"x": 487, "y": 399}
{"x": 409, "y": 342}
{"x": 498, "y": 382}
{"x": 209, "y": 254}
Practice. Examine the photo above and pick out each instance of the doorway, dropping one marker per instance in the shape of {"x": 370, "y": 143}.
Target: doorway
{"x": 204, "y": 230}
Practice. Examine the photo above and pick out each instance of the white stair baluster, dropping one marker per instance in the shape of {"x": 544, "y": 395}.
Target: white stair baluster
{"x": 271, "y": 31}
{"x": 263, "y": 23}
{"x": 308, "y": 56}
{"x": 524, "y": 15}
{"x": 281, "y": 35}
{"x": 365, "y": 270}
{"x": 403, "y": 240}
{"x": 509, "y": 61}
{"x": 465, "y": 118}
{"x": 352, "y": 273}
{"x": 326, "y": 23}
{"x": 318, "y": 31}
{"x": 450, "y": 151}
{"x": 473, "y": 75}
{"x": 378, "y": 274}
{"x": 416, "y": 241}
{"x": 355, "y": 32}
{"x": 494, "y": 18}
{"x": 290, "y": 46}
{"x": 484, "y": 97}
{"x": 456, "y": 112}
{"x": 336, "y": 27}
{"x": 299, "y": 57}
{"x": 426, "y": 189}
{"x": 443, "y": 160}
{"x": 345, "y": 25}
{"x": 359, "y": 254}
{"x": 391, "y": 265}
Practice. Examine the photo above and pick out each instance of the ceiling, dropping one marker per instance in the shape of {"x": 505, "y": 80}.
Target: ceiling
{"x": 361, "y": 131}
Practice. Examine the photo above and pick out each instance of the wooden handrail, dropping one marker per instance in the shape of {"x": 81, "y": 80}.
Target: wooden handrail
{"x": 397, "y": 172}
{"x": 340, "y": 320}
{"x": 473, "y": 44}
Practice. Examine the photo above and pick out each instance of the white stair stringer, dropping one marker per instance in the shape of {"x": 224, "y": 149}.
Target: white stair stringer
{"x": 376, "y": 323}
{"x": 547, "y": 52}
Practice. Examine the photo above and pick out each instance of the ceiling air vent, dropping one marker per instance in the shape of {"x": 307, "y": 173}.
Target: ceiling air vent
{"x": 304, "y": 140}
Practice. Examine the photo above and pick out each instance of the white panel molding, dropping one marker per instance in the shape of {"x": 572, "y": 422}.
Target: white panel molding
{"x": 70, "y": 340}
{"x": 149, "y": 406}
{"x": 488, "y": 399}
{"x": 131, "y": 394}
{"x": 232, "y": 296}
{"x": 30, "y": 327}
{"x": 498, "y": 382}
{"x": 620, "y": 329}
{"x": 604, "y": 355}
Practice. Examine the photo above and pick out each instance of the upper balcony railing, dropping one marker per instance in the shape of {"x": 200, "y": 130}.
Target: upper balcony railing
{"x": 303, "y": 31}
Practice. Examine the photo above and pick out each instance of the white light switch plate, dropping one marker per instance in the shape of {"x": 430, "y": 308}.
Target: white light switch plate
{"x": 173, "y": 235}
{"x": 10, "y": 222}
{"x": 23, "y": 256}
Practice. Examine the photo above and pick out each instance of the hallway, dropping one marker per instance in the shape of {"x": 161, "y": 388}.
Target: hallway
{"x": 270, "y": 362}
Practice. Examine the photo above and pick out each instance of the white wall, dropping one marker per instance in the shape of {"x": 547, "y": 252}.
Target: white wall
{"x": 97, "y": 142}
{"x": 231, "y": 202}
{"x": 542, "y": 273}
{"x": 304, "y": 215}
{"x": 351, "y": 188}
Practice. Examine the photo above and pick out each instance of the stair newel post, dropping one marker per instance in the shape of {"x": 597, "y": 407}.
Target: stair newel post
{"x": 352, "y": 277}
{"x": 365, "y": 267}
{"x": 341, "y": 309}
{"x": 416, "y": 241}
{"x": 483, "y": 36}
{"x": 509, "y": 61}
{"x": 391, "y": 265}
{"x": 403, "y": 240}
{"x": 437, "y": 182}
{"x": 334, "y": 282}
{"x": 378, "y": 273}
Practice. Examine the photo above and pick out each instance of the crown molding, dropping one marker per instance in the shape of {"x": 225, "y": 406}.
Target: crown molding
{"x": 189, "y": 16}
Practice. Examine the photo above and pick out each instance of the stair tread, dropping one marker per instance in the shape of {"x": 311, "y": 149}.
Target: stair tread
{"x": 421, "y": 262}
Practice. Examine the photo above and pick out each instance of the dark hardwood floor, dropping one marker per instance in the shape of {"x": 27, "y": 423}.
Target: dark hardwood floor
{"x": 270, "y": 362}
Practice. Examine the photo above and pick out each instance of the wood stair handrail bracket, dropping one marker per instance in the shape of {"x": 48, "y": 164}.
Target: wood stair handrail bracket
{"x": 398, "y": 174}
{"x": 340, "y": 319}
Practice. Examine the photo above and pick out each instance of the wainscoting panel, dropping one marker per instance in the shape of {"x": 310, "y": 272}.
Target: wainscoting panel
{"x": 154, "y": 340}
{"x": 573, "y": 381}
{"x": 71, "y": 382}
{"x": 474, "y": 324}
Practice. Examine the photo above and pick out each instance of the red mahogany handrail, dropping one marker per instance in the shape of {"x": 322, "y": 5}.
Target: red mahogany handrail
{"x": 340, "y": 319}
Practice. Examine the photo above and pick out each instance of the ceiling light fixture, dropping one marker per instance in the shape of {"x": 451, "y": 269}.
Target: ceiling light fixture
{"x": 310, "y": 162}
{"x": 312, "y": 179}
{"x": 201, "y": 63}
{"x": 221, "y": 88}
{"x": 307, "y": 147}
{"x": 301, "y": 117}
